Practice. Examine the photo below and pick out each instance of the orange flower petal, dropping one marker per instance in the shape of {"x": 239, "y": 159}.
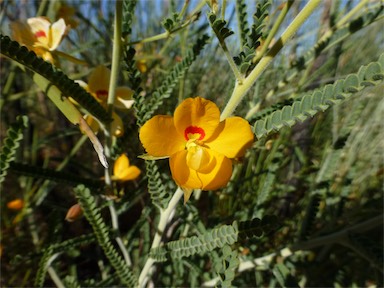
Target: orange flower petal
{"x": 40, "y": 28}
{"x": 124, "y": 98}
{"x": 212, "y": 177}
{"x": 99, "y": 81}
{"x": 232, "y": 137}
{"x": 160, "y": 138}
{"x": 197, "y": 113}
{"x": 56, "y": 32}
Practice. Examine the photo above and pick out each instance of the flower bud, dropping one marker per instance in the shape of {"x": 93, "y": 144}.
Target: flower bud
{"x": 16, "y": 204}
{"x": 74, "y": 213}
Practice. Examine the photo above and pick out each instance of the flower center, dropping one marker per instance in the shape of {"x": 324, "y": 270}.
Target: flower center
{"x": 197, "y": 156}
{"x": 102, "y": 94}
{"x": 194, "y": 133}
{"x": 40, "y": 33}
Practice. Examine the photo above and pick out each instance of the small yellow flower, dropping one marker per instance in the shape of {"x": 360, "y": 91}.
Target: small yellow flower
{"x": 39, "y": 35}
{"x": 98, "y": 86}
{"x": 123, "y": 171}
{"x": 199, "y": 146}
{"x": 16, "y": 204}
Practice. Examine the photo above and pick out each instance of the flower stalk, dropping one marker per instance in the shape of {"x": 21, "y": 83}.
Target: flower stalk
{"x": 242, "y": 88}
{"x": 165, "y": 217}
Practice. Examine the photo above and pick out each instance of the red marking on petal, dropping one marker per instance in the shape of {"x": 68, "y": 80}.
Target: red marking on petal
{"x": 102, "y": 94}
{"x": 194, "y": 130}
{"x": 40, "y": 33}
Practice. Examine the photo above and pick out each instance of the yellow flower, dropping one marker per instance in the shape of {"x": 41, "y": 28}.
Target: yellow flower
{"x": 123, "y": 171}
{"x": 98, "y": 86}
{"x": 16, "y": 204}
{"x": 199, "y": 146}
{"x": 39, "y": 35}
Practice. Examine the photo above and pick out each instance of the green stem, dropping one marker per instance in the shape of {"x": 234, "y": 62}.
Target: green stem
{"x": 239, "y": 77}
{"x": 164, "y": 35}
{"x": 116, "y": 53}
{"x": 164, "y": 220}
{"x": 357, "y": 8}
{"x": 242, "y": 88}
{"x": 223, "y": 7}
{"x": 273, "y": 31}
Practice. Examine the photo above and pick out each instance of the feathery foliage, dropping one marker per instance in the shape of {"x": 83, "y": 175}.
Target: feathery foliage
{"x": 146, "y": 107}
{"x": 10, "y": 145}
{"x": 217, "y": 238}
{"x": 92, "y": 213}
{"x": 320, "y": 100}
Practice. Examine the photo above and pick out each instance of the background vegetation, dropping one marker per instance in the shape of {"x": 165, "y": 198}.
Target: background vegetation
{"x": 303, "y": 208}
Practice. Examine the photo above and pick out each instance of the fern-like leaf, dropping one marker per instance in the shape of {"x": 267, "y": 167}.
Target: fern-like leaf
{"x": 259, "y": 23}
{"x": 92, "y": 213}
{"x": 241, "y": 11}
{"x": 219, "y": 27}
{"x": 37, "y": 65}
{"x": 244, "y": 59}
{"x": 159, "y": 195}
{"x": 128, "y": 13}
{"x": 321, "y": 99}
{"x": 146, "y": 107}
{"x": 216, "y": 238}
{"x": 170, "y": 23}
{"x": 310, "y": 216}
{"x": 10, "y": 144}
{"x": 226, "y": 265}
{"x": 325, "y": 43}
{"x": 43, "y": 266}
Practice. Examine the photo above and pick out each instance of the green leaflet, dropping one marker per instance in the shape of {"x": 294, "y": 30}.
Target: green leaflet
{"x": 216, "y": 238}
{"x": 43, "y": 266}
{"x": 92, "y": 213}
{"x": 310, "y": 215}
{"x": 226, "y": 265}
{"x": 145, "y": 107}
{"x": 324, "y": 44}
{"x": 10, "y": 144}
{"x": 219, "y": 27}
{"x": 241, "y": 11}
{"x": 322, "y": 99}
{"x": 128, "y": 13}
{"x": 158, "y": 192}
{"x": 255, "y": 35}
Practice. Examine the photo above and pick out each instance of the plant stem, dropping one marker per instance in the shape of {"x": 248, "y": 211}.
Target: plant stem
{"x": 242, "y": 88}
{"x": 116, "y": 53}
{"x": 164, "y": 220}
{"x": 273, "y": 31}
